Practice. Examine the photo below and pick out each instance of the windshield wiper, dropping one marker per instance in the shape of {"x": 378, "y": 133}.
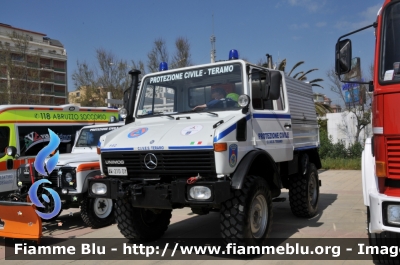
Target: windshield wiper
{"x": 213, "y": 113}
{"x": 158, "y": 113}
{"x": 197, "y": 111}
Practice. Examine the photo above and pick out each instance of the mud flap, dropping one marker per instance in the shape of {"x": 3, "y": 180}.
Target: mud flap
{"x": 19, "y": 220}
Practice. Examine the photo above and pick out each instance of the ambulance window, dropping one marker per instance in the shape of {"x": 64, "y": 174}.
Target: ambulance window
{"x": 34, "y": 139}
{"x": 4, "y": 139}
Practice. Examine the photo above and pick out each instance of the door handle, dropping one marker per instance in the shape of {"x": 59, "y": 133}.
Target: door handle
{"x": 287, "y": 126}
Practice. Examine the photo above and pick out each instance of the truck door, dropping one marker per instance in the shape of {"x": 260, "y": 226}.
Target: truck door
{"x": 7, "y": 176}
{"x": 271, "y": 120}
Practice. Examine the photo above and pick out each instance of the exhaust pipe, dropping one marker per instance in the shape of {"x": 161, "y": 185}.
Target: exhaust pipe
{"x": 130, "y": 96}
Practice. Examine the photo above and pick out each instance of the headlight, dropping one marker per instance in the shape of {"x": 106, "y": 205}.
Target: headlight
{"x": 99, "y": 188}
{"x": 200, "y": 193}
{"x": 68, "y": 177}
{"x": 9, "y": 151}
{"x": 393, "y": 214}
{"x": 244, "y": 101}
{"x": 123, "y": 113}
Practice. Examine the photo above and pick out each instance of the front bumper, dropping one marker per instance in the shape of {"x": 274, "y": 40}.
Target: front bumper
{"x": 164, "y": 196}
{"x": 378, "y": 213}
{"x": 71, "y": 196}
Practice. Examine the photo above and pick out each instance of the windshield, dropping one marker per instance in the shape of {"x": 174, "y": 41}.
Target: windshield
{"x": 390, "y": 51}
{"x": 212, "y": 88}
{"x": 4, "y": 140}
{"x": 90, "y": 136}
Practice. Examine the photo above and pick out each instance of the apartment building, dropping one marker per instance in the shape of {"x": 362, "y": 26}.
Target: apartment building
{"x": 36, "y": 63}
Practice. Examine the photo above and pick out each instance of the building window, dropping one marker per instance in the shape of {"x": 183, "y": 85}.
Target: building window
{"x": 78, "y": 94}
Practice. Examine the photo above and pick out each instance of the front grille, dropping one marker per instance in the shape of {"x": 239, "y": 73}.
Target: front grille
{"x": 393, "y": 156}
{"x": 168, "y": 162}
{"x": 55, "y": 179}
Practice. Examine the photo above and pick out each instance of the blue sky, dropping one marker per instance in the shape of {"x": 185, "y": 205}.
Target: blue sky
{"x": 298, "y": 30}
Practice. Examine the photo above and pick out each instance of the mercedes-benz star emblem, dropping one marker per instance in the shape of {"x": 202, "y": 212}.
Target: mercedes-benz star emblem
{"x": 150, "y": 161}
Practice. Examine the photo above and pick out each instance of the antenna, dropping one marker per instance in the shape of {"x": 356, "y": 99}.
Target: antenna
{"x": 212, "y": 39}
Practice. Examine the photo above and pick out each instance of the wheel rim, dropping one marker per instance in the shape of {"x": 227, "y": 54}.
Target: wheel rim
{"x": 102, "y": 207}
{"x": 312, "y": 190}
{"x": 258, "y": 216}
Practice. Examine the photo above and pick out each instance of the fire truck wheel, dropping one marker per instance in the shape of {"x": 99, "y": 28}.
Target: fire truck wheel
{"x": 97, "y": 212}
{"x": 140, "y": 223}
{"x": 304, "y": 193}
{"x": 246, "y": 218}
{"x": 385, "y": 239}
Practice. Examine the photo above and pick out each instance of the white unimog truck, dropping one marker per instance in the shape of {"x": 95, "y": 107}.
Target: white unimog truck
{"x": 70, "y": 178}
{"x": 178, "y": 149}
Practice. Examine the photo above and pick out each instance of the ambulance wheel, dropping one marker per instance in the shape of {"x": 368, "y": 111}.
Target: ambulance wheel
{"x": 246, "y": 218}
{"x": 384, "y": 239}
{"x": 97, "y": 212}
{"x": 140, "y": 223}
{"x": 304, "y": 193}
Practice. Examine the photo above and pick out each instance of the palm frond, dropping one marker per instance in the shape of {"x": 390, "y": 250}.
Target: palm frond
{"x": 299, "y": 73}
{"x": 317, "y": 85}
{"x": 306, "y": 73}
{"x": 295, "y": 66}
{"x": 322, "y": 108}
{"x": 316, "y": 80}
{"x": 282, "y": 65}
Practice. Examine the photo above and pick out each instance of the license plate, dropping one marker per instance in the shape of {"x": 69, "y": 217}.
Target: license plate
{"x": 117, "y": 171}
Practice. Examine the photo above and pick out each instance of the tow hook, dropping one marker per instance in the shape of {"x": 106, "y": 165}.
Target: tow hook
{"x": 193, "y": 180}
{"x": 136, "y": 189}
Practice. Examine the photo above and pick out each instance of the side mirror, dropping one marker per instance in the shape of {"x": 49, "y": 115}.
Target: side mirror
{"x": 343, "y": 57}
{"x": 273, "y": 85}
{"x": 11, "y": 151}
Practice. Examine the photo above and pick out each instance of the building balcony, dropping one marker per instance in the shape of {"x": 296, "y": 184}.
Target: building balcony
{"x": 46, "y": 80}
{"x": 59, "y": 94}
{"x": 33, "y": 65}
{"x": 59, "y": 82}
{"x": 59, "y": 69}
{"x": 47, "y": 93}
{"x": 46, "y": 67}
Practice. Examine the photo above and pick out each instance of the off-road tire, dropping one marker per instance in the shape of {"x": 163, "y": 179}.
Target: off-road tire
{"x": 239, "y": 216}
{"x": 104, "y": 216}
{"x": 304, "y": 193}
{"x": 140, "y": 223}
{"x": 387, "y": 239}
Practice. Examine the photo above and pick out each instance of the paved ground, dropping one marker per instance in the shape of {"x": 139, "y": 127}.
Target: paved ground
{"x": 342, "y": 214}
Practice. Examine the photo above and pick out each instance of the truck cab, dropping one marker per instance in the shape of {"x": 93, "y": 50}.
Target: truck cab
{"x": 224, "y": 137}
{"x": 380, "y": 158}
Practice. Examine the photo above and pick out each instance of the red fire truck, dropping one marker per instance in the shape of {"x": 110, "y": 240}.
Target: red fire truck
{"x": 381, "y": 156}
